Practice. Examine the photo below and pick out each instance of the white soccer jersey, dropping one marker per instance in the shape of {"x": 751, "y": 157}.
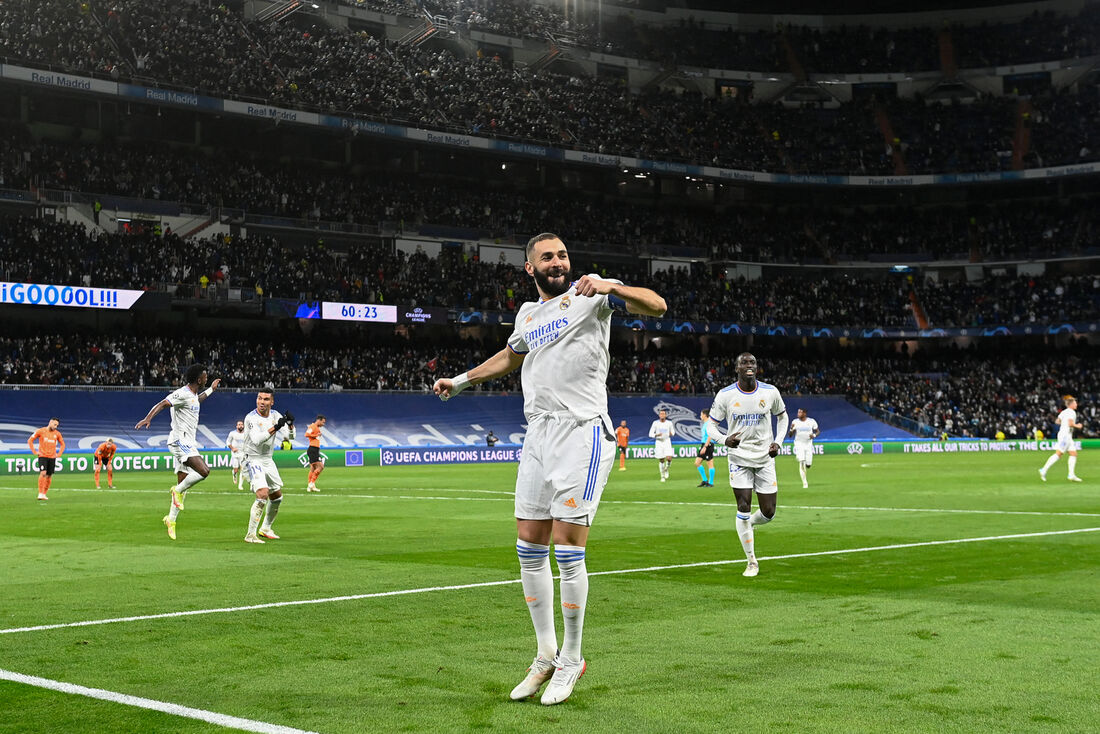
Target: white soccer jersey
{"x": 662, "y": 431}
{"x": 235, "y": 440}
{"x": 804, "y": 431}
{"x": 258, "y": 442}
{"x": 565, "y": 342}
{"x": 185, "y": 415}
{"x": 1066, "y": 419}
{"x": 748, "y": 416}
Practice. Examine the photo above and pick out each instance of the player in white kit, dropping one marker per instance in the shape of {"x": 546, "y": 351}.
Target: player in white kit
{"x": 804, "y": 430}
{"x": 747, "y": 407}
{"x": 562, "y": 344}
{"x": 190, "y": 467}
{"x": 264, "y": 429}
{"x": 1067, "y": 421}
{"x": 662, "y": 431}
{"x": 235, "y": 443}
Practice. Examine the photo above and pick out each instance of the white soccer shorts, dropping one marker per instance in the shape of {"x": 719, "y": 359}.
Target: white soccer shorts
{"x": 758, "y": 478}
{"x": 262, "y": 473}
{"x": 236, "y": 459}
{"x": 1065, "y": 443}
{"x": 564, "y": 468}
{"x": 663, "y": 450}
{"x": 181, "y": 452}
{"x": 804, "y": 453}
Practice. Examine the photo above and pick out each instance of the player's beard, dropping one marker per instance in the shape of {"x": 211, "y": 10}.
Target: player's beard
{"x": 551, "y": 285}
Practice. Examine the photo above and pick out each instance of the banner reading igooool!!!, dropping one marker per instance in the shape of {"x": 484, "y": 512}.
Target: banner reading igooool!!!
{"x": 39, "y": 294}
{"x": 84, "y": 463}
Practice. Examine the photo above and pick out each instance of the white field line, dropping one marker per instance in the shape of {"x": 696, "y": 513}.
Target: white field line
{"x": 509, "y": 582}
{"x": 232, "y": 722}
{"x": 198, "y": 491}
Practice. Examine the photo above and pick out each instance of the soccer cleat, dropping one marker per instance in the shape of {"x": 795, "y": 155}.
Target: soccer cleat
{"x": 541, "y": 670}
{"x": 805, "y": 486}
{"x": 97, "y": 486}
{"x": 268, "y": 533}
{"x": 251, "y": 538}
{"x": 751, "y": 569}
{"x": 622, "y": 468}
{"x": 42, "y": 496}
{"x": 662, "y": 479}
{"x": 1075, "y": 478}
{"x": 561, "y": 685}
{"x": 171, "y": 525}
{"x": 111, "y": 486}
{"x": 1042, "y": 474}
{"x": 177, "y": 499}
{"x": 703, "y": 484}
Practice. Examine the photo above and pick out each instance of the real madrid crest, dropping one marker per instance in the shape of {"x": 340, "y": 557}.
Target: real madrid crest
{"x": 564, "y": 303}
{"x": 762, "y": 403}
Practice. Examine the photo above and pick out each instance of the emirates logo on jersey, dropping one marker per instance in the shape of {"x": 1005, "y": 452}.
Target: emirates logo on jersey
{"x": 565, "y": 303}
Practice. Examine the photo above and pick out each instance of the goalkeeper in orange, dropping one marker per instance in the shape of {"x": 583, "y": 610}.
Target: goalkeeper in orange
{"x": 103, "y": 457}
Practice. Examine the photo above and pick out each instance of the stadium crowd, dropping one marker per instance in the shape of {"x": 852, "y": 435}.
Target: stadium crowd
{"x": 214, "y": 50}
{"x": 962, "y": 393}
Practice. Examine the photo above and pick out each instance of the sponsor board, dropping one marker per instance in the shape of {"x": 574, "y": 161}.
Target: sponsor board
{"x": 420, "y": 455}
{"x": 81, "y": 462}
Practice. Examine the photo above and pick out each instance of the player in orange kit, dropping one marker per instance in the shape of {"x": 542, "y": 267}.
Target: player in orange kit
{"x": 316, "y": 466}
{"x": 50, "y": 446}
{"x": 102, "y": 457}
{"x": 622, "y": 438}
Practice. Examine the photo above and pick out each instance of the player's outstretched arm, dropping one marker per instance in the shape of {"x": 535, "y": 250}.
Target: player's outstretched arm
{"x": 208, "y": 391}
{"x": 642, "y": 301}
{"x": 144, "y": 422}
{"x": 498, "y": 365}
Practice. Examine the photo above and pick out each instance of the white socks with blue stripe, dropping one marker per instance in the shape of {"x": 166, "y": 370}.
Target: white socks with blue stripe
{"x": 574, "y": 597}
{"x": 538, "y": 590}
{"x": 744, "y": 531}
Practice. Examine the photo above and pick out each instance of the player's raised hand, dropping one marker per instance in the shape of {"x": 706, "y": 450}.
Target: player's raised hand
{"x": 442, "y": 388}
{"x": 588, "y": 286}
{"x": 733, "y": 441}
{"x": 215, "y": 383}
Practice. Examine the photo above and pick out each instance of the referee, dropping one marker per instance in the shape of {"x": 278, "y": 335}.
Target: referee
{"x": 706, "y": 452}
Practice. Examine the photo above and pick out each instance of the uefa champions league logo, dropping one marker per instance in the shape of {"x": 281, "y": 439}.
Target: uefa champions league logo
{"x": 685, "y": 421}
{"x": 387, "y": 457}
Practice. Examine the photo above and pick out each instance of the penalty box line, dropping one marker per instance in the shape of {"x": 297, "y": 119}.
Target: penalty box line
{"x": 199, "y": 491}
{"x": 510, "y": 582}
{"x": 211, "y": 717}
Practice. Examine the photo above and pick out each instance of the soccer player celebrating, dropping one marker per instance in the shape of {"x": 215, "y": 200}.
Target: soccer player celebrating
{"x": 264, "y": 428}
{"x": 662, "y": 431}
{"x": 235, "y": 443}
{"x": 561, "y": 342}
{"x": 747, "y": 407}
{"x": 804, "y": 430}
{"x": 706, "y": 452}
{"x": 313, "y": 453}
{"x": 622, "y": 440}
{"x": 50, "y": 446}
{"x": 190, "y": 467}
{"x": 103, "y": 456}
{"x": 1067, "y": 421}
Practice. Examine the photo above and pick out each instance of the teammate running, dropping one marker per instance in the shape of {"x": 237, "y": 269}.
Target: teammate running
{"x": 50, "y": 446}
{"x": 662, "y": 431}
{"x": 1067, "y": 421}
{"x": 313, "y": 453}
{"x": 804, "y": 430}
{"x": 747, "y": 406}
{"x": 235, "y": 443}
{"x": 190, "y": 467}
{"x": 562, "y": 344}
{"x": 103, "y": 456}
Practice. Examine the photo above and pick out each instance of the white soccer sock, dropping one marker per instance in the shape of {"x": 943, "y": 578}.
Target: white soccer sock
{"x": 759, "y": 518}
{"x": 538, "y": 590}
{"x": 173, "y": 513}
{"x": 240, "y": 478}
{"x": 574, "y": 598}
{"x": 257, "y": 513}
{"x": 192, "y": 478}
{"x": 1050, "y": 462}
{"x": 802, "y": 471}
{"x": 272, "y": 511}
{"x": 1072, "y": 466}
{"x": 744, "y": 531}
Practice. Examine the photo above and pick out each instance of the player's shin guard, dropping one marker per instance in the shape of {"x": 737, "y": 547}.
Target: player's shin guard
{"x": 802, "y": 471}
{"x": 711, "y": 480}
{"x": 702, "y": 472}
{"x": 1050, "y": 462}
{"x": 744, "y": 531}
{"x": 538, "y": 590}
{"x": 574, "y": 598}
{"x": 192, "y": 478}
{"x": 257, "y": 513}
{"x": 272, "y": 511}
{"x": 1072, "y": 466}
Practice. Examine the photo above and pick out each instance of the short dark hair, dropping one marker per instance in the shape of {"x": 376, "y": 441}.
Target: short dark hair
{"x": 320, "y": 417}
{"x": 54, "y": 418}
{"x": 542, "y": 237}
{"x": 267, "y": 390}
{"x": 705, "y": 412}
{"x": 194, "y": 372}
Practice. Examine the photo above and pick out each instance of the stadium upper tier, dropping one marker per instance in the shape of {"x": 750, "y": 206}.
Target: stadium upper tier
{"x": 216, "y": 52}
{"x": 36, "y": 251}
{"x": 928, "y": 393}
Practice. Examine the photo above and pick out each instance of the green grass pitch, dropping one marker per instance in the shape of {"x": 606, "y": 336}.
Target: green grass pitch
{"x": 997, "y": 634}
